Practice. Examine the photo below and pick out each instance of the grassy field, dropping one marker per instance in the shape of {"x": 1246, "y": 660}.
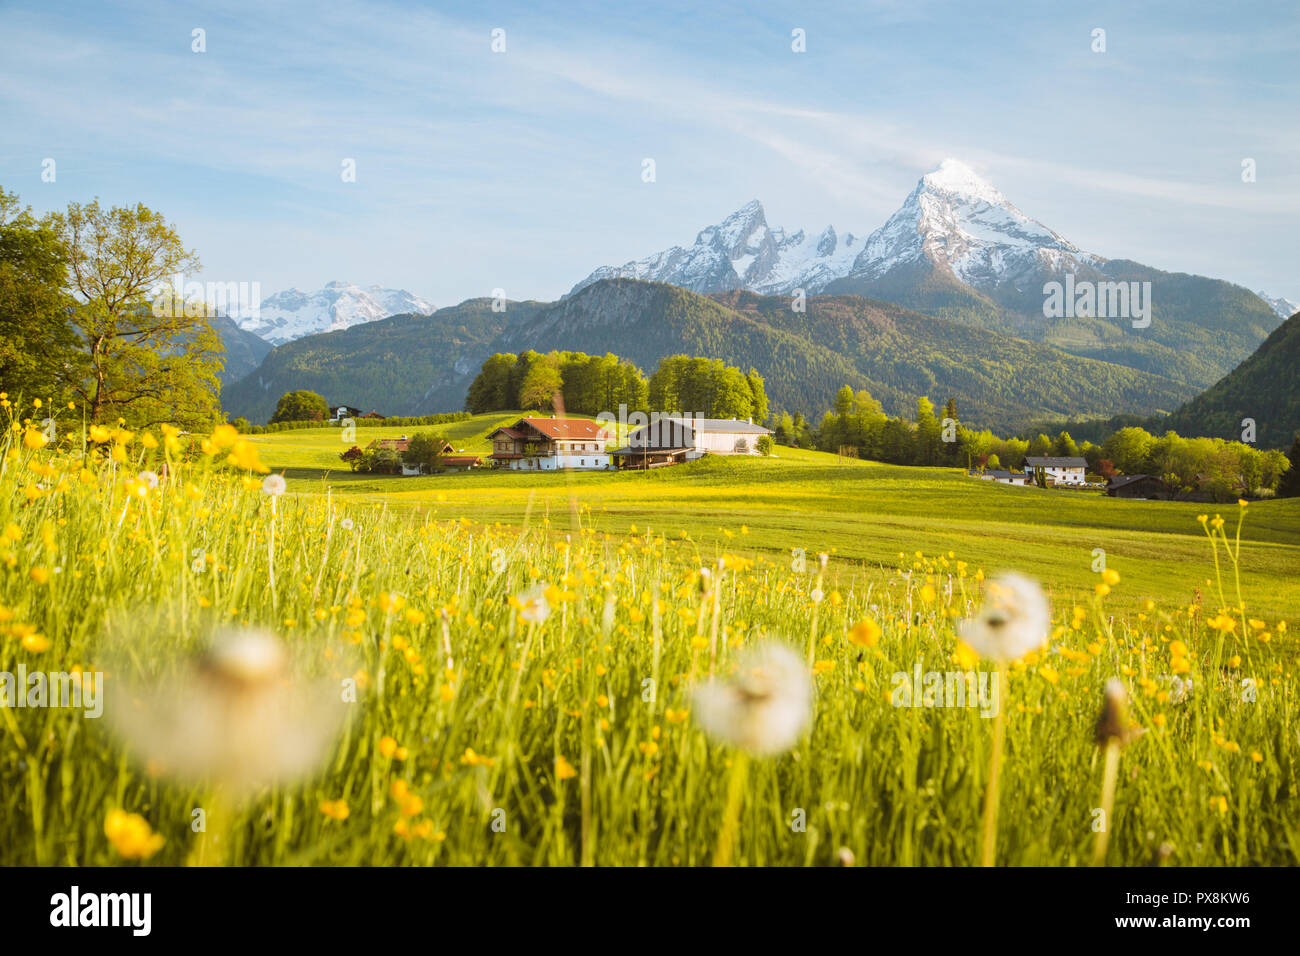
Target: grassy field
{"x": 492, "y": 669}
{"x": 862, "y": 512}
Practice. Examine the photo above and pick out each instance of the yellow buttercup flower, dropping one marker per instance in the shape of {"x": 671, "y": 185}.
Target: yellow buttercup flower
{"x": 563, "y": 769}
{"x": 335, "y": 809}
{"x": 866, "y": 633}
{"x": 131, "y": 835}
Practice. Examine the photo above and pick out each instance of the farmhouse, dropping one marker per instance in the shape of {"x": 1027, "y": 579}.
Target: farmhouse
{"x": 677, "y": 438}
{"x": 340, "y": 412}
{"x": 1057, "y": 471}
{"x": 448, "y": 460}
{"x": 1138, "y": 486}
{"x": 550, "y": 444}
{"x": 1001, "y": 477}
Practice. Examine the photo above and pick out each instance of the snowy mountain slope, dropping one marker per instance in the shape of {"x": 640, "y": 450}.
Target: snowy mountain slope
{"x": 955, "y": 220}
{"x": 952, "y": 219}
{"x": 743, "y": 252}
{"x": 292, "y": 314}
{"x": 1283, "y": 307}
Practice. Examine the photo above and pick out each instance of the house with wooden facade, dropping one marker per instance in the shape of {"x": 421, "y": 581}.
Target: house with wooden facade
{"x": 673, "y": 439}
{"x": 550, "y": 444}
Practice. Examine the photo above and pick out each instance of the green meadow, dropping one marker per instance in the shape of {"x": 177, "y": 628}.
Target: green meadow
{"x": 863, "y": 513}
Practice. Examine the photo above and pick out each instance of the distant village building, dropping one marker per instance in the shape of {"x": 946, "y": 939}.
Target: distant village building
{"x": 672, "y": 440}
{"x": 1138, "y": 486}
{"x": 550, "y": 444}
{"x": 340, "y": 412}
{"x": 1057, "y": 471}
{"x": 448, "y": 460}
{"x": 1001, "y": 477}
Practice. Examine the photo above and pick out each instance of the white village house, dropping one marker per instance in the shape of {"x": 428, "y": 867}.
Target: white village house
{"x": 673, "y": 439}
{"x": 1057, "y": 471}
{"x": 550, "y": 444}
{"x": 1000, "y": 476}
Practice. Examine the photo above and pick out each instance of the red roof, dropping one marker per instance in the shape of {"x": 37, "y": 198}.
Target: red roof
{"x": 567, "y": 428}
{"x": 460, "y": 459}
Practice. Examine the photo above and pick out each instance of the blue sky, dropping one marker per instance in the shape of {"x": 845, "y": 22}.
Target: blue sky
{"x": 522, "y": 170}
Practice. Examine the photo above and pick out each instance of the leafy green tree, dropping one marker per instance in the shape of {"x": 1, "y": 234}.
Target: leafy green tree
{"x": 541, "y": 383}
{"x": 1040, "y": 447}
{"x": 424, "y": 450}
{"x": 1065, "y": 447}
{"x": 1288, "y": 485}
{"x": 1130, "y": 449}
{"x": 149, "y": 357}
{"x": 40, "y": 354}
{"x": 490, "y": 391}
{"x": 758, "y": 393}
{"x": 929, "y": 435}
{"x": 301, "y": 406}
{"x": 764, "y": 444}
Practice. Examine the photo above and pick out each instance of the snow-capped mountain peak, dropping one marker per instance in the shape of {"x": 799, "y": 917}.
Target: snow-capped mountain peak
{"x": 956, "y": 178}
{"x": 954, "y": 219}
{"x": 958, "y": 221}
{"x": 291, "y": 314}
{"x": 743, "y": 252}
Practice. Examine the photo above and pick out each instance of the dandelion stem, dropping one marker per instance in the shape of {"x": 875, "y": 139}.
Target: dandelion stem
{"x": 731, "y": 816}
{"x": 1109, "y": 777}
{"x": 989, "y": 850}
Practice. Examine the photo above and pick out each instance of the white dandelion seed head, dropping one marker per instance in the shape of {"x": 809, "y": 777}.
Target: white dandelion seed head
{"x": 246, "y": 657}
{"x": 764, "y": 707}
{"x": 347, "y": 524}
{"x": 534, "y": 608}
{"x": 149, "y": 478}
{"x": 273, "y": 485}
{"x": 1014, "y": 620}
{"x": 237, "y": 716}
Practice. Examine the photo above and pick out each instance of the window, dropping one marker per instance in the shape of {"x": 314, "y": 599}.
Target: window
{"x": 583, "y": 463}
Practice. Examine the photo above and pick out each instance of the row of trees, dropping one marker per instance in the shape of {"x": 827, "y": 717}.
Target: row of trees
{"x": 591, "y": 384}
{"x": 1221, "y": 469}
{"x": 80, "y": 320}
{"x": 588, "y": 384}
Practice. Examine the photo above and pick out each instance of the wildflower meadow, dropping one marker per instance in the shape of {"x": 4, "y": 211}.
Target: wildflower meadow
{"x": 287, "y": 676}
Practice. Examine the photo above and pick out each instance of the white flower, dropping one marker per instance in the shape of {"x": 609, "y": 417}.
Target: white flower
{"x": 273, "y": 485}
{"x": 236, "y": 716}
{"x": 764, "y": 707}
{"x": 347, "y": 524}
{"x": 532, "y": 604}
{"x": 1179, "y": 689}
{"x": 150, "y": 478}
{"x": 1014, "y": 620}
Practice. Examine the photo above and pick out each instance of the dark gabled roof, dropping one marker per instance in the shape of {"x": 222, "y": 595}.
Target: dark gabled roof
{"x": 1119, "y": 481}
{"x": 1049, "y": 461}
